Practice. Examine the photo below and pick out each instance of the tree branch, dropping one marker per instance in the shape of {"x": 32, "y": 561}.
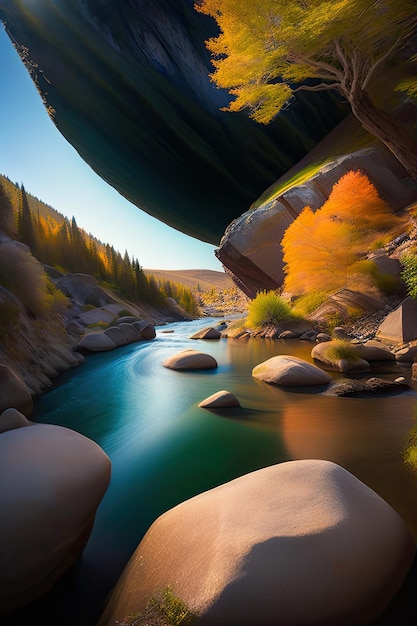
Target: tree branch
{"x": 320, "y": 65}
{"x": 319, "y": 87}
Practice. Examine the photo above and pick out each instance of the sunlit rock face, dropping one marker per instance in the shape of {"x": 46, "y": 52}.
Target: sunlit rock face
{"x": 130, "y": 88}
{"x": 250, "y": 248}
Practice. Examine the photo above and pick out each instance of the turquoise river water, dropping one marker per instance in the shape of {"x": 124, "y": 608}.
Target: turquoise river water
{"x": 165, "y": 449}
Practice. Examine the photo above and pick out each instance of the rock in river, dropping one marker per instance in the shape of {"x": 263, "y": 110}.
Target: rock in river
{"x": 301, "y": 542}
{"x": 290, "y": 371}
{"x": 52, "y": 481}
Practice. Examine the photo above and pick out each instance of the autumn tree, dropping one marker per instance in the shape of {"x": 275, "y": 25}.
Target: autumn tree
{"x": 269, "y": 50}
{"x": 324, "y": 249}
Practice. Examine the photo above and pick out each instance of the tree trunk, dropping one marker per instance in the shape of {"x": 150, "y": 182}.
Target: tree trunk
{"x": 392, "y": 134}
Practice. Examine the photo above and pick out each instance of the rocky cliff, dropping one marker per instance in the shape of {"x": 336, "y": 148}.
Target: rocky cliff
{"x": 250, "y": 249}
{"x": 127, "y": 84}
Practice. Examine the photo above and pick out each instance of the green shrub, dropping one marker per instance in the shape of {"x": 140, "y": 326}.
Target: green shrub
{"x": 267, "y": 308}
{"x": 409, "y": 273}
{"x": 410, "y": 451}
{"x": 338, "y": 349}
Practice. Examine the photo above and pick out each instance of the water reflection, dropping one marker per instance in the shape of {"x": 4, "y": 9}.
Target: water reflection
{"x": 165, "y": 449}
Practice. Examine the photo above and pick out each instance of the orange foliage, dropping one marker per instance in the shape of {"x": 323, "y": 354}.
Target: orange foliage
{"x": 321, "y": 248}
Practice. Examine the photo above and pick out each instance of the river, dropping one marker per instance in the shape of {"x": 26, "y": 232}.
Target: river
{"x": 164, "y": 449}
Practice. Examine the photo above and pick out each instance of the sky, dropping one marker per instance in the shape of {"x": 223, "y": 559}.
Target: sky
{"x": 33, "y": 152}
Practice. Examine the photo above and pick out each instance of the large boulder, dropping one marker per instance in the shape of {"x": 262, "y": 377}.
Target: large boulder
{"x": 302, "y": 542}
{"x": 116, "y": 335}
{"x": 14, "y": 393}
{"x": 190, "y": 360}
{"x": 84, "y": 288}
{"x": 374, "y": 350}
{"x": 327, "y": 355}
{"x": 96, "y": 342}
{"x": 400, "y": 326}
{"x": 52, "y": 481}
{"x": 131, "y": 333}
{"x": 287, "y": 370}
{"x": 207, "y": 333}
{"x": 146, "y": 329}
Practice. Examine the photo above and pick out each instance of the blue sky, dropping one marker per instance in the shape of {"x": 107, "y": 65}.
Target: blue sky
{"x": 33, "y": 152}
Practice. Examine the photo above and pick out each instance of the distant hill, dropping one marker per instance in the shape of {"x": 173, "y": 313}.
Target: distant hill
{"x": 200, "y": 280}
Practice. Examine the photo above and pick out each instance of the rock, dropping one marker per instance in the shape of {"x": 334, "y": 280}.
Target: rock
{"x": 116, "y": 335}
{"x": 354, "y": 363}
{"x": 414, "y": 371}
{"x": 190, "y": 359}
{"x": 11, "y": 419}
{"x": 371, "y": 386}
{"x": 36, "y": 384}
{"x": 310, "y": 335}
{"x": 340, "y": 333}
{"x": 407, "y": 353}
{"x": 53, "y": 480}
{"x": 288, "y": 334}
{"x": 374, "y": 350}
{"x": 64, "y": 353}
{"x": 96, "y": 316}
{"x": 250, "y": 248}
{"x": 400, "y": 326}
{"x": 301, "y": 542}
{"x": 14, "y": 392}
{"x": 130, "y": 332}
{"x": 322, "y": 337}
{"x": 84, "y": 288}
{"x": 96, "y": 342}
{"x": 146, "y": 329}
{"x": 290, "y": 371}
{"x": 127, "y": 319}
{"x": 219, "y": 400}
{"x": 207, "y": 333}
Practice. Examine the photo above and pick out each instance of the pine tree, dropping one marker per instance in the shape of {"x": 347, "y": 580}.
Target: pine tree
{"x": 6, "y": 212}
{"x": 25, "y": 223}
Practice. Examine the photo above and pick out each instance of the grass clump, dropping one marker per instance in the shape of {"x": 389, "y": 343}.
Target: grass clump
{"x": 410, "y": 451}
{"x": 339, "y": 349}
{"x": 409, "y": 273}
{"x": 268, "y": 308}
{"x": 164, "y": 609}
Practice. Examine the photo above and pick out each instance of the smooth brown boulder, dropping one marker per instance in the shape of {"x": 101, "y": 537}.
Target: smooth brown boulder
{"x": 353, "y": 363}
{"x": 146, "y": 329}
{"x": 220, "y": 399}
{"x": 207, "y": 333}
{"x": 52, "y": 481}
{"x": 400, "y": 326}
{"x": 130, "y": 332}
{"x": 374, "y": 350}
{"x": 116, "y": 336}
{"x": 190, "y": 359}
{"x": 11, "y": 419}
{"x": 301, "y": 542}
{"x": 96, "y": 342}
{"x": 287, "y": 370}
